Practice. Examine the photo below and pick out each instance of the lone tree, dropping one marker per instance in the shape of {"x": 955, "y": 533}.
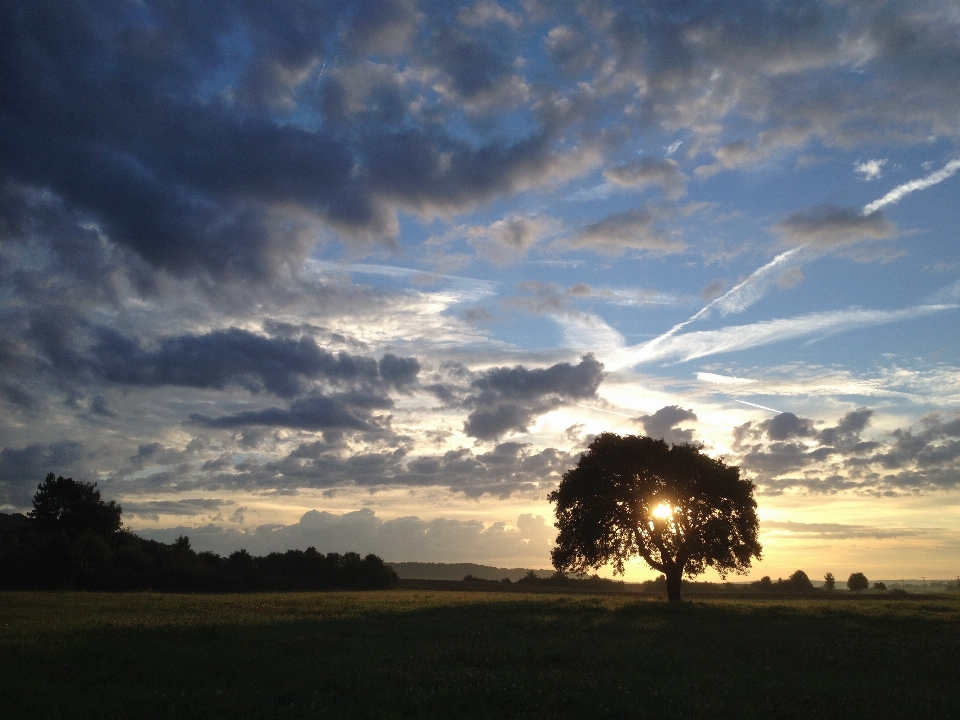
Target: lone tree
{"x": 858, "y": 582}
{"x": 678, "y": 509}
{"x": 829, "y": 582}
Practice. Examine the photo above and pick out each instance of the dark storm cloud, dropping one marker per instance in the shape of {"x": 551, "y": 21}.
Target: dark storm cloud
{"x": 510, "y": 399}
{"x": 312, "y": 413}
{"x": 472, "y": 66}
{"x": 507, "y": 469}
{"x": 165, "y": 125}
{"x": 663, "y": 424}
{"x": 21, "y": 470}
{"x": 213, "y": 138}
{"x": 219, "y": 360}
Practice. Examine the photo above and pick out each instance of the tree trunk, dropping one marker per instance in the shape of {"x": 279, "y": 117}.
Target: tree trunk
{"x": 674, "y": 578}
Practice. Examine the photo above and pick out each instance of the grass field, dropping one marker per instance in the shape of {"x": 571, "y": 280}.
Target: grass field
{"x": 402, "y": 653}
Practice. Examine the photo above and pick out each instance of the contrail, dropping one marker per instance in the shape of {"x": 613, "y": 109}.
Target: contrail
{"x": 611, "y": 412}
{"x": 778, "y": 260}
{"x": 898, "y": 192}
{"x": 762, "y": 407}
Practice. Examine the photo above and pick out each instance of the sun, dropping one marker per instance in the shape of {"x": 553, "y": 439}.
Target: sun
{"x": 663, "y": 511}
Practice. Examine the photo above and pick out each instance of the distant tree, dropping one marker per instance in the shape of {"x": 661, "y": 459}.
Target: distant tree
{"x": 858, "y": 582}
{"x": 829, "y": 582}
{"x": 799, "y": 582}
{"x": 65, "y": 505}
{"x": 764, "y": 583}
{"x": 882, "y": 587}
{"x": 677, "y": 508}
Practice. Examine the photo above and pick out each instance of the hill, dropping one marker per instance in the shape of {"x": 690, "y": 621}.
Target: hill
{"x": 457, "y": 571}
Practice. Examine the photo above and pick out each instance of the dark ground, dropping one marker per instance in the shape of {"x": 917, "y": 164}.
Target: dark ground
{"x": 424, "y": 653}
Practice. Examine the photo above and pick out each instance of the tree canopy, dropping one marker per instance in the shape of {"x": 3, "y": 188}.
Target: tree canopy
{"x": 858, "y": 582}
{"x": 677, "y": 508}
{"x": 68, "y": 506}
{"x": 72, "y": 539}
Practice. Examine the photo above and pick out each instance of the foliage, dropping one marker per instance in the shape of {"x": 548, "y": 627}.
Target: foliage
{"x": 605, "y": 511}
{"x": 561, "y": 580}
{"x": 764, "y": 583}
{"x": 829, "y": 582}
{"x": 71, "y": 507}
{"x": 858, "y": 582}
{"x": 799, "y": 582}
{"x": 881, "y": 586}
{"x": 72, "y": 539}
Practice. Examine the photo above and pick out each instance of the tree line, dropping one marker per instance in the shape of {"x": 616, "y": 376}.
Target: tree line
{"x": 73, "y": 539}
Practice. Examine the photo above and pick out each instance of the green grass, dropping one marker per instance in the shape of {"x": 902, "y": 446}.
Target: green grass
{"x": 400, "y": 654}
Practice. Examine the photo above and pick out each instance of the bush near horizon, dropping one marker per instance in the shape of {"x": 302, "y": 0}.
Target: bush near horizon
{"x": 72, "y": 539}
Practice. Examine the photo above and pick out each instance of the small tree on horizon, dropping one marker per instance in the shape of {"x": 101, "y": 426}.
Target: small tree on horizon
{"x": 829, "y": 582}
{"x": 857, "y": 582}
{"x": 677, "y": 508}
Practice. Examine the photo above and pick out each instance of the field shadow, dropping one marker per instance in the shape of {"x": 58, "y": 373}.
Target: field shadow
{"x": 542, "y": 656}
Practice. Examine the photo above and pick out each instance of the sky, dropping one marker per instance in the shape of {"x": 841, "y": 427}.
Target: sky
{"x": 370, "y": 275}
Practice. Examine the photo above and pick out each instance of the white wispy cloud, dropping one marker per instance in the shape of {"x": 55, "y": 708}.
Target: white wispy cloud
{"x": 906, "y": 188}
{"x": 738, "y": 298}
{"x": 716, "y": 379}
{"x": 591, "y": 332}
{"x": 691, "y": 346}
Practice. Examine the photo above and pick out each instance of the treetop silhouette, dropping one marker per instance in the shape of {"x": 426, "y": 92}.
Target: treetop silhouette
{"x": 69, "y": 506}
{"x": 677, "y": 508}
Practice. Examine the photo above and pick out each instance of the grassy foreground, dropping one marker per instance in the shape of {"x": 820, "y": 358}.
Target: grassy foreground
{"x": 398, "y": 654}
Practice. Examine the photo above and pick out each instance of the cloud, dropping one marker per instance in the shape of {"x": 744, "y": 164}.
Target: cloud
{"x": 735, "y": 338}
{"x": 838, "y": 458}
{"x": 650, "y": 171}
{"x": 870, "y": 170}
{"x": 895, "y": 195}
{"x": 510, "y": 399}
{"x": 485, "y": 12}
{"x": 662, "y": 424}
{"x": 233, "y": 358}
{"x": 204, "y": 160}
{"x": 627, "y": 230}
{"x": 186, "y": 507}
{"x": 311, "y": 413}
{"x": 836, "y": 531}
{"x": 828, "y": 226}
{"x": 507, "y": 469}
{"x": 571, "y": 50}
{"x": 401, "y": 539}
{"x": 508, "y": 239}
{"x": 736, "y": 300}
{"x": 22, "y": 470}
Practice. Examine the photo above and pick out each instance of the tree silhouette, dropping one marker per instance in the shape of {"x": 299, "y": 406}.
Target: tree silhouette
{"x": 678, "y": 509}
{"x": 71, "y": 507}
{"x": 858, "y": 582}
{"x": 829, "y": 582}
{"x": 800, "y": 582}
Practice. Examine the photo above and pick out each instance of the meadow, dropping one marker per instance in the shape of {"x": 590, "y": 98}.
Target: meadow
{"x": 433, "y": 654}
